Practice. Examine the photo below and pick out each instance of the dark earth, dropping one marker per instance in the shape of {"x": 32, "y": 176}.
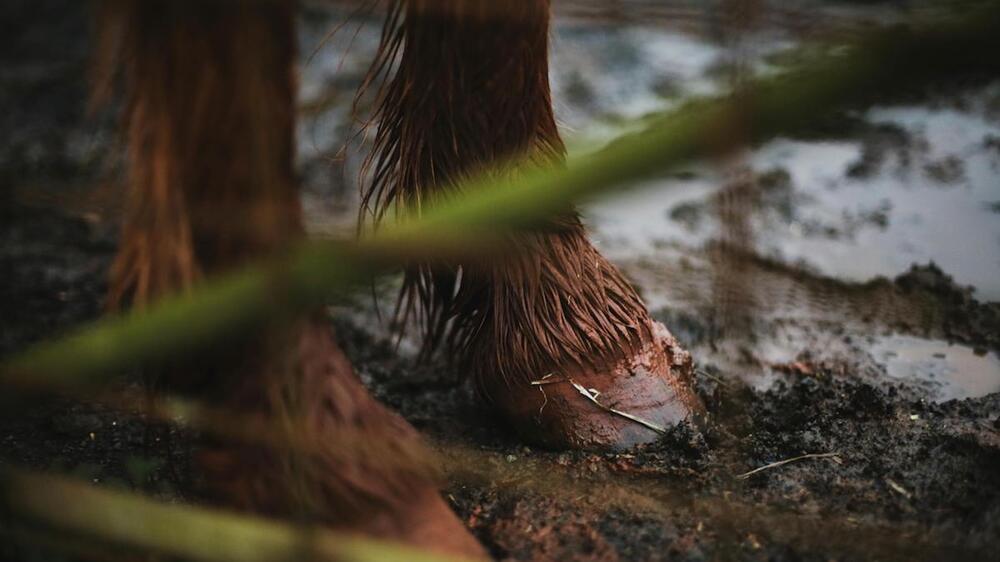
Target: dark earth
{"x": 894, "y": 474}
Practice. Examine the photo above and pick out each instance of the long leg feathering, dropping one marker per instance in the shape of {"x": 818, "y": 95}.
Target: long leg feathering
{"x": 464, "y": 86}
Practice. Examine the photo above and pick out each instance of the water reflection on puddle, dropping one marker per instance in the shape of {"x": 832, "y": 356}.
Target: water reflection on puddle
{"x": 896, "y": 186}
{"x": 928, "y": 200}
{"x": 903, "y": 185}
{"x": 948, "y": 371}
{"x": 852, "y": 209}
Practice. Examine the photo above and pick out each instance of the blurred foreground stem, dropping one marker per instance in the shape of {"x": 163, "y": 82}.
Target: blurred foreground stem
{"x": 891, "y": 61}
{"x": 131, "y": 521}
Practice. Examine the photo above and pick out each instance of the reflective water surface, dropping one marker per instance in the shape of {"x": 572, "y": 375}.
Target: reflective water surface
{"x": 897, "y": 185}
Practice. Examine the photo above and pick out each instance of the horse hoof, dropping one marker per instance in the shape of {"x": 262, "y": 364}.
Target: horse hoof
{"x": 611, "y": 409}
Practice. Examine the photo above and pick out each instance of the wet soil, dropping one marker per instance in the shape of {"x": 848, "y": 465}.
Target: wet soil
{"x": 906, "y": 478}
{"x": 791, "y": 362}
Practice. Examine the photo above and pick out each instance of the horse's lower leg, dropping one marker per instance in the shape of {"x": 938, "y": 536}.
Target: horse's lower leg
{"x": 470, "y": 91}
{"x": 210, "y": 97}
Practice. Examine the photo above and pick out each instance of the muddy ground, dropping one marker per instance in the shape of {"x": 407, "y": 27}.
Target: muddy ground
{"x": 911, "y": 478}
{"x": 899, "y": 471}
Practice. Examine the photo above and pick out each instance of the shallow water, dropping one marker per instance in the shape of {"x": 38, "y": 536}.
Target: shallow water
{"x": 912, "y": 480}
{"x": 853, "y": 208}
{"x": 907, "y": 184}
{"x": 871, "y": 203}
{"x": 902, "y": 185}
{"x": 951, "y": 371}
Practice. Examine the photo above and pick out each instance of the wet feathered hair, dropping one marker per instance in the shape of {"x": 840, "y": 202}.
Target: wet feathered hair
{"x": 210, "y": 101}
{"x": 209, "y": 115}
{"x": 463, "y": 86}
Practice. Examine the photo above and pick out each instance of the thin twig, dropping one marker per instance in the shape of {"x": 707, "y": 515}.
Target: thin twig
{"x": 545, "y": 398}
{"x": 835, "y": 456}
{"x": 546, "y": 380}
{"x": 592, "y": 394}
{"x": 898, "y": 489}
{"x": 711, "y": 377}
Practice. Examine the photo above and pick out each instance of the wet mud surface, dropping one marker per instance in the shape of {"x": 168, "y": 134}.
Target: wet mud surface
{"x": 883, "y": 372}
{"x": 903, "y": 477}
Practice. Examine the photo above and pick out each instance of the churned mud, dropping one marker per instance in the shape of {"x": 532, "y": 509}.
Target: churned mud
{"x": 895, "y": 470}
{"x": 895, "y": 473}
{"x": 838, "y": 293}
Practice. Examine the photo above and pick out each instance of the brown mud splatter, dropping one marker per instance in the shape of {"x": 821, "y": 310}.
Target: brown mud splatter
{"x": 913, "y": 478}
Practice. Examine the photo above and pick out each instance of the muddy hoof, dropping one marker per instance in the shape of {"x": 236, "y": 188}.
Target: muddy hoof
{"x": 427, "y": 523}
{"x": 364, "y": 468}
{"x": 615, "y": 409}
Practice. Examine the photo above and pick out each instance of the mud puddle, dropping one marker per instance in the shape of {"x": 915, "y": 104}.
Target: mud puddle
{"x": 901, "y": 477}
{"x": 816, "y": 320}
{"x": 954, "y": 371}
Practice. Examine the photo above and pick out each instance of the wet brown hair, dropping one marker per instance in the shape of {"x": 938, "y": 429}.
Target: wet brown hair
{"x": 209, "y": 114}
{"x": 464, "y": 86}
